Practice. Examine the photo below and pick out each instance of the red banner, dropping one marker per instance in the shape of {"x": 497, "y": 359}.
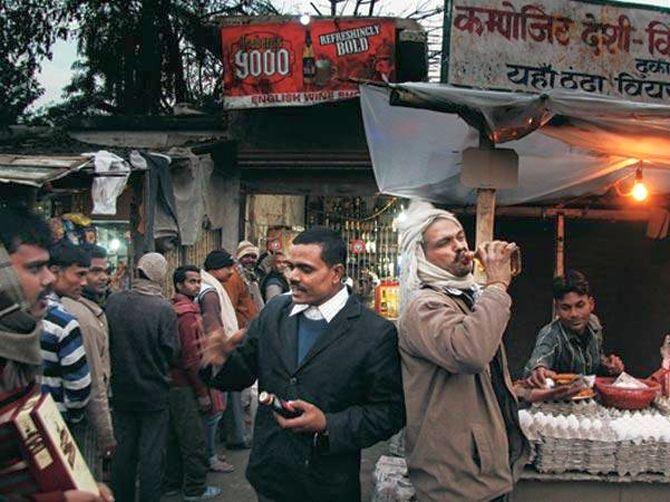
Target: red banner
{"x": 289, "y": 64}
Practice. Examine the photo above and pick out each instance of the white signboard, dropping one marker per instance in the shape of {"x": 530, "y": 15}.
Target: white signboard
{"x": 539, "y": 45}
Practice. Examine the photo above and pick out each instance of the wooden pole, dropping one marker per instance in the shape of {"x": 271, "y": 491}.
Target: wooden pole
{"x": 559, "y": 269}
{"x": 486, "y": 210}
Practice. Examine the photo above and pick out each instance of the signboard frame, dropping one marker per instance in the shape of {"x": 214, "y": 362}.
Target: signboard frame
{"x": 371, "y": 52}
{"x": 447, "y": 35}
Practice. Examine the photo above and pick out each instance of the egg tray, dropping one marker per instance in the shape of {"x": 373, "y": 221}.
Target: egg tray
{"x": 597, "y": 457}
{"x": 605, "y": 455}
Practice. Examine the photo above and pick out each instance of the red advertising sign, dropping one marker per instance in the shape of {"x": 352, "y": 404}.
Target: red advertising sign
{"x": 288, "y": 64}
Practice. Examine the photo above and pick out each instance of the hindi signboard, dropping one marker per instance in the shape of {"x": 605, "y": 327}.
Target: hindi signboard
{"x": 534, "y": 46}
{"x": 288, "y": 64}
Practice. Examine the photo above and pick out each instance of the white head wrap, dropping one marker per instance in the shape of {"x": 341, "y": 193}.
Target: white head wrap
{"x": 417, "y": 271}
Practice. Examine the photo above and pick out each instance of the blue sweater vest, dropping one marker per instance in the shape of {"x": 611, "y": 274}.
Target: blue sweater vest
{"x": 308, "y": 332}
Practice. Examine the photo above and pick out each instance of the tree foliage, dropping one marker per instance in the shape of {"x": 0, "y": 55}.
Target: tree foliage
{"x": 139, "y": 56}
{"x": 28, "y": 28}
{"x": 143, "y": 56}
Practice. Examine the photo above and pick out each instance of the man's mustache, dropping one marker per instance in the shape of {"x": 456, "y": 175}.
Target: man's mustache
{"x": 296, "y": 285}
{"x": 43, "y": 294}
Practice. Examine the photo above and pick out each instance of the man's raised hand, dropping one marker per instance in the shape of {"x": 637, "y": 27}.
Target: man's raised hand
{"x": 219, "y": 346}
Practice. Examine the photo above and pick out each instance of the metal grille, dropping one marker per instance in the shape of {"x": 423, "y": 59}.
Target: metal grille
{"x": 367, "y": 227}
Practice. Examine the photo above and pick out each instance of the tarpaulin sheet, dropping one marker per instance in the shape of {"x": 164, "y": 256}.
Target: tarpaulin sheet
{"x": 569, "y": 144}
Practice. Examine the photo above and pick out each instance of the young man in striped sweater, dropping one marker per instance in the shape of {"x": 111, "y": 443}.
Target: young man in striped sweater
{"x": 66, "y": 374}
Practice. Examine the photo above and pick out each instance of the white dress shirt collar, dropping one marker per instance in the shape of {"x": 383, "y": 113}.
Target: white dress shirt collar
{"x": 327, "y": 310}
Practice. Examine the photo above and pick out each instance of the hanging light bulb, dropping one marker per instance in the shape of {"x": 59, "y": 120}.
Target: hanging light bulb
{"x": 402, "y": 216}
{"x": 305, "y": 19}
{"x": 640, "y": 192}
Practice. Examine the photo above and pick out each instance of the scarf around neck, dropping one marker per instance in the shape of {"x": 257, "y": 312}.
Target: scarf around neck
{"x": 147, "y": 287}
{"x": 417, "y": 271}
{"x": 228, "y": 317}
{"x": 20, "y": 338}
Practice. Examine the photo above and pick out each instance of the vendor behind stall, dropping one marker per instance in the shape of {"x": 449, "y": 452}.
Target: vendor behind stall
{"x": 571, "y": 343}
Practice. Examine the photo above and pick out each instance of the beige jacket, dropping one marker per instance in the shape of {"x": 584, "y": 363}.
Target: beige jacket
{"x": 95, "y": 335}
{"x": 456, "y": 439}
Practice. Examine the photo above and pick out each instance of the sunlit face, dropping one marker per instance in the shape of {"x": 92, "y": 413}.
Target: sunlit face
{"x": 574, "y": 311}
{"x": 97, "y": 278}
{"x": 223, "y": 274}
{"x": 191, "y": 285}
{"x": 446, "y": 247}
{"x": 30, "y": 265}
{"x": 69, "y": 280}
{"x": 312, "y": 280}
{"x": 248, "y": 260}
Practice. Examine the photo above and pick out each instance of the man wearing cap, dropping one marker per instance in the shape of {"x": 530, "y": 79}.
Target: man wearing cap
{"x": 143, "y": 342}
{"x": 247, "y": 258}
{"x": 463, "y": 440}
{"x": 218, "y": 315}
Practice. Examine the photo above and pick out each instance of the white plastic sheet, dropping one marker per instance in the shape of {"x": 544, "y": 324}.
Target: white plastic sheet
{"x": 112, "y": 175}
{"x": 588, "y": 146}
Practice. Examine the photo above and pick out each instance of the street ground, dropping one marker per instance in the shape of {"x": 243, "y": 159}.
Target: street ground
{"x": 236, "y": 488}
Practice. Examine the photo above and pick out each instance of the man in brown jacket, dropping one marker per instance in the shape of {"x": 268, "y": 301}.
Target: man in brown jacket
{"x": 463, "y": 441}
{"x": 97, "y": 433}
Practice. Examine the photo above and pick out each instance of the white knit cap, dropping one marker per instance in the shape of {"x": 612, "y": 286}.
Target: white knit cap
{"x": 245, "y": 248}
{"x": 154, "y": 266}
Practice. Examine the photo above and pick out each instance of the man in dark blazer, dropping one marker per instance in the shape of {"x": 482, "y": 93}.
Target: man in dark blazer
{"x": 333, "y": 359}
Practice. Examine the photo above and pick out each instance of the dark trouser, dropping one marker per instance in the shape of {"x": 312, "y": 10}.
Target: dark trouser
{"x": 233, "y": 420}
{"x": 86, "y": 438}
{"x": 187, "y": 462}
{"x": 263, "y": 498}
{"x": 141, "y": 438}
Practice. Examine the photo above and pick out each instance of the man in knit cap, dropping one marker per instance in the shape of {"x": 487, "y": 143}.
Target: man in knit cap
{"x": 143, "y": 338}
{"x": 218, "y": 315}
{"x": 247, "y": 258}
{"x": 463, "y": 440}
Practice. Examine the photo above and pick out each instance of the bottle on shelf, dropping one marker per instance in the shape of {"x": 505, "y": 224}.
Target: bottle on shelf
{"x": 308, "y": 60}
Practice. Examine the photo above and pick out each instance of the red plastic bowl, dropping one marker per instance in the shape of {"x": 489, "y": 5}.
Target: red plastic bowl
{"x": 626, "y": 399}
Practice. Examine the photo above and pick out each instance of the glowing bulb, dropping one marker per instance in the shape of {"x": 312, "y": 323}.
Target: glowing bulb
{"x": 305, "y": 19}
{"x": 640, "y": 191}
{"x": 402, "y": 217}
{"x": 114, "y": 245}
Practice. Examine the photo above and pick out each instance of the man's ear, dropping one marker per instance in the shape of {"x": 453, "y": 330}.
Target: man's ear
{"x": 339, "y": 270}
{"x": 592, "y": 302}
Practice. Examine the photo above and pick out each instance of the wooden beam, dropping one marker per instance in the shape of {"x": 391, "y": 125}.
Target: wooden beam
{"x": 551, "y": 212}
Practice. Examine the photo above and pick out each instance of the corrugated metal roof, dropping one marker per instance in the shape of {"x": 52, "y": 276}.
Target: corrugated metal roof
{"x": 36, "y": 170}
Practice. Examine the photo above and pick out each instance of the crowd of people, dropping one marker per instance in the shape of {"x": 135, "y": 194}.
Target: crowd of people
{"x": 145, "y": 382}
